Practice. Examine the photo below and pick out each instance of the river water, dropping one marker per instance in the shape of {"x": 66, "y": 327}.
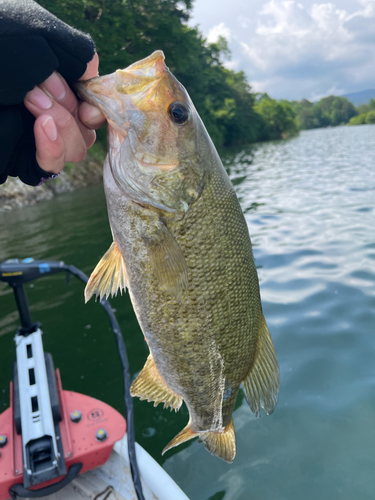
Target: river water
{"x": 310, "y": 206}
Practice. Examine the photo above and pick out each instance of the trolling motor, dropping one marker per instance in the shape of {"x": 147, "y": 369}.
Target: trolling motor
{"x": 49, "y": 435}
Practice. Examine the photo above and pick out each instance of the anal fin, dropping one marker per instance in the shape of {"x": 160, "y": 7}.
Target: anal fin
{"x": 221, "y": 443}
{"x": 261, "y": 386}
{"x": 185, "y": 435}
{"x": 150, "y": 385}
{"x": 108, "y": 276}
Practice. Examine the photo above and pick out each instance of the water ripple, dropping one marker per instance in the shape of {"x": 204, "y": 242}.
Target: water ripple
{"x": 309, "y": 203}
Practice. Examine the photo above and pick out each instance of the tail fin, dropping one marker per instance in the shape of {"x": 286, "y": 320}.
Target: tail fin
{"x": 221, "y": 444}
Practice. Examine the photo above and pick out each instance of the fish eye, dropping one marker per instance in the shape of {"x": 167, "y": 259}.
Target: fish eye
{"x": 179, "y": 113}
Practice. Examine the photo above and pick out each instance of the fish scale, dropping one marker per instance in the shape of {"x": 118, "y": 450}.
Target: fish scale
{"x": 186, "y": 258}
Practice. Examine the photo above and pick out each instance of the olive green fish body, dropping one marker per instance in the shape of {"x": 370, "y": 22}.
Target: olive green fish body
{"x": 182, "y": 248}
{"x": 213, "y": 327}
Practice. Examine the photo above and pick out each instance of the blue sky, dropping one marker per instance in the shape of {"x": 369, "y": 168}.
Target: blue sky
{"x": 295, "y": 48}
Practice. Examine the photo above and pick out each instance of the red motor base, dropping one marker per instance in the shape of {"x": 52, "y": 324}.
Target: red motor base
{"x": 89, "y": 429}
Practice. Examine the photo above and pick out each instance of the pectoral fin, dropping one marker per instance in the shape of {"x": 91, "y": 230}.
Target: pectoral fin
{"x": 167, "y": 261}
{"x": 261, "y": 386}
{"x": 221, "y": 444}
{"x": 108, "y": 276}
{"x": 151, "y": 386}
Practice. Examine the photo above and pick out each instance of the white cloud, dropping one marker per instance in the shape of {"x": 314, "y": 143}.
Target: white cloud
{"x": 307, "y": 42}
{"x": 233, "y": 64}
{"x": 291, "y": 33}
{"x": 297, "y": 48}
{"x": 331, "y": 91}
{"x": 217, "y": 31}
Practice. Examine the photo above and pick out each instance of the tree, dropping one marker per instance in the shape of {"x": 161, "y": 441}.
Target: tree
{"x": 336, "y": 110}
{"x": 128, "y": 30}
{"x": 278, "y": 118}
{"x": 370, "y": 116}
{"x": 358, "y": 120}
{"x": 329, "y": 111}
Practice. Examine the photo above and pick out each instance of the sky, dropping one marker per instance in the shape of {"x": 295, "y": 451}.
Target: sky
{"x": 294, "y": 49}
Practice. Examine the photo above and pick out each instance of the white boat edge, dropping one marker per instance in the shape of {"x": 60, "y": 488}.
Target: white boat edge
{"x": 153, "y": 476}
{"x": 113, "y": 479}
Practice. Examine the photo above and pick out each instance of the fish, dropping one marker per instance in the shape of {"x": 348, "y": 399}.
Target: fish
{"x": 182, "y": 249}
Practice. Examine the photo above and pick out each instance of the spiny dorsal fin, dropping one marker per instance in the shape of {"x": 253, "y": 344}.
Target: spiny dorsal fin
{"x": 167, "y": 261}
{"x": 109, "y": 275}
{"x": 221, "y": 444}
{"x": 261, "y": 386}
{"x": 151, "y": 386}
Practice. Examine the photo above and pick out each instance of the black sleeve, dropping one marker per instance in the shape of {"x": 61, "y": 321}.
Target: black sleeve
{"x": 33, "y": 44}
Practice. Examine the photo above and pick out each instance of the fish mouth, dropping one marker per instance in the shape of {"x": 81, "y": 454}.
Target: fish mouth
{"x": 151, "y": 66}
{"x": 151, "y": 162}
{"x": 142, "y": 76}
{"x": 147, "y": 160}
{"x": 139, "y": 76}
{"x": 164, "y": 167}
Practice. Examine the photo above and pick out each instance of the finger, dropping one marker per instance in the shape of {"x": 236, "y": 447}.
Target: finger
{"x": 90, "y": 116}
{"x": 50, "y": 148}
{"x": 88, "y": 135}
{"x": 56, "y": 87}
{"x": 37, "y": 102}
{"x": 92, "y": 68}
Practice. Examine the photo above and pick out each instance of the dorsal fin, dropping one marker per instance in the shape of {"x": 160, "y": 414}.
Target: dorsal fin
{"x": 108, "y": 276}
{"x": 261, "y": 386}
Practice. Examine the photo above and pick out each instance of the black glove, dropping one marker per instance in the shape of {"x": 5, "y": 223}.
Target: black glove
{"x": 33, "y": 44}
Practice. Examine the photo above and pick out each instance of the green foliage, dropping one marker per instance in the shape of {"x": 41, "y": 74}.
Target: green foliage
{"x": 358, "y": 120}
{"x": 370, "y": 117}
{"x": 328, "y": 112}
{"x": 308, "y": 115}
{"x": 98, "y": 152}
{"x": 128, "y": 30}
{"x": 338, "y": 110}
{"x": 365, "y": 108}
{"x": 278, "y": 118}
{"x": 366, "y": 114}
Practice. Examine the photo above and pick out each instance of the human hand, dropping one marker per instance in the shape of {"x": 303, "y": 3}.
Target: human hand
{"x": 64, "y": 129}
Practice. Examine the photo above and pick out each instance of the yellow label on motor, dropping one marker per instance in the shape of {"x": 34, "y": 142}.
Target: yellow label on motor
{"x": 17, "y": 273}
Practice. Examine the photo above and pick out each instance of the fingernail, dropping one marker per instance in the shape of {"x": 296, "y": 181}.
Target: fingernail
{"x": 50, "y": 129}
{"x": 39, "y": 98}
{"x": 95, "y": 114}
{"x": 55, "y": 86}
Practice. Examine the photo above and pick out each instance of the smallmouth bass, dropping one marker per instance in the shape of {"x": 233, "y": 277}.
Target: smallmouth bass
{"x": 181, "y": 247}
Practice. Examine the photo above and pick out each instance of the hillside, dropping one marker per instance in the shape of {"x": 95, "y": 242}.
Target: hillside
{"x": 362, "y": 97}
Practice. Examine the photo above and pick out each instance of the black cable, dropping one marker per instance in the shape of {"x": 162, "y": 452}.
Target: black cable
{"x": 126, "y": 374}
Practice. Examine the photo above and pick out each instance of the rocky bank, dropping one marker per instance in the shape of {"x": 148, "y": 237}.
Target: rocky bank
{"x": 15, "y": 194}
